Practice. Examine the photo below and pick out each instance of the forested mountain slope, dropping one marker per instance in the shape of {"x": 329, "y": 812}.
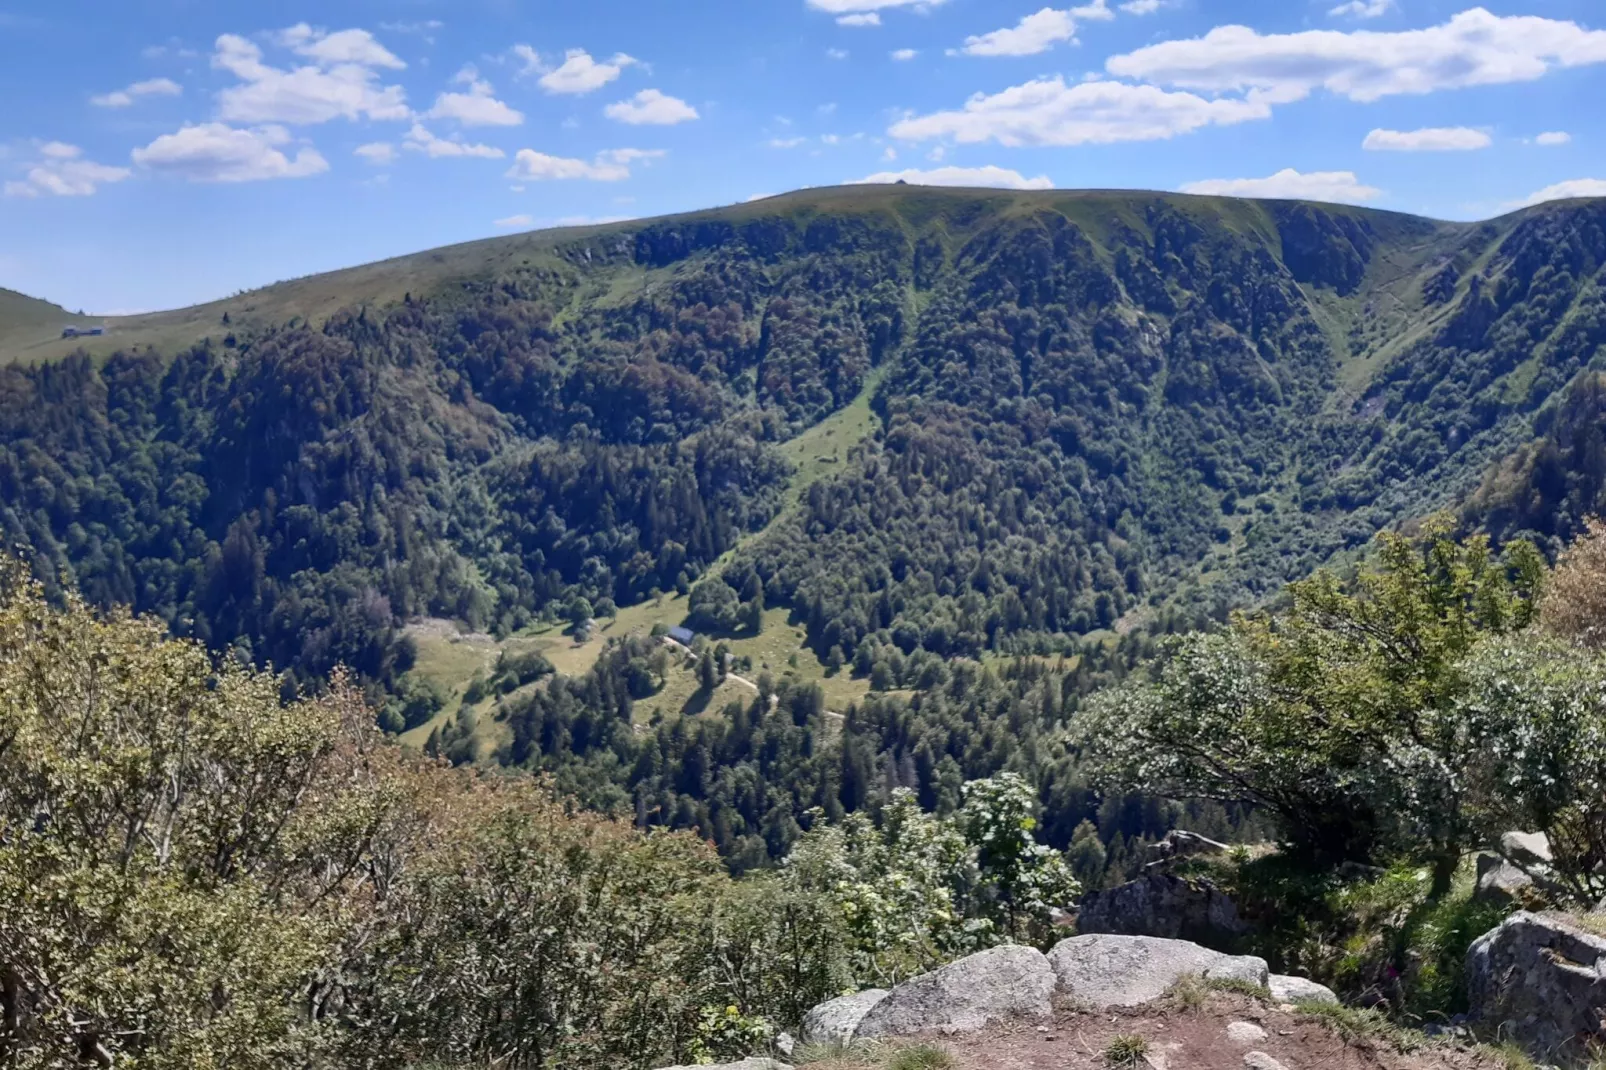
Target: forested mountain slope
{"x": 1097, "y": 406}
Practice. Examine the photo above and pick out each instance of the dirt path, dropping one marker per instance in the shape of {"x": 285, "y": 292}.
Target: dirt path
{"x": 1174, "y": 1038}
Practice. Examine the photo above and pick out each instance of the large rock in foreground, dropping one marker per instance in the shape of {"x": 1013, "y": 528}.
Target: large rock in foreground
{"x": 967, "y": 995}
{"x": 1286, "y": 989}
{"x": 1541, "y": 981}
{"x": 1104, "y": 970}
{"x": 745, "y": 1064}
{"x": 835, "y": 1021}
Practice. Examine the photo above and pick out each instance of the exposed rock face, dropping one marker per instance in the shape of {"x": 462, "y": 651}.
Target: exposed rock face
{"x": 1499, "y": 881}
{"x": 1285, "y": 989}
{"x": 1178, "y": 844}
{"x": 1526, "y": 849}
{"x": 1540, "y": 980}
{"x": 967, "y": 995}
{"x": 834, "y": 1021}
{"x": 1113, "y": 970}
{"x": 1165, "y": 905}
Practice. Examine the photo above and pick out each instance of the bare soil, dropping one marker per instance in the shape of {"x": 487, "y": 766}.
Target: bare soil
{"x": 1177, "y": 1039}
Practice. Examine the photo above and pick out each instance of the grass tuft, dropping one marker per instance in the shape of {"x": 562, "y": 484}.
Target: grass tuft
{"x": 1125, "y": 1049}
{"x": 1355, "y": 1024}
{"x": 921, "y": 1057}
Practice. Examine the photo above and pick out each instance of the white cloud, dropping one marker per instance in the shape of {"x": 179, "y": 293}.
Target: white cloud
{"x": 309, "y": 94}
{"x": 578, "y": 73}
{"x": 836, "y": 53}
{"x": 904, "y": 55}
{"x": 868, "y": 18}
{"x": 998, "y": 177}
{"x": 345, "y": 46}
{"x": 786, "y": 142}
{"x": 1141, "y": 7}
{"x": 1289, "y": 184}
{"x": 849, "y": 7}
{"x": 1551, "y": 138}
{"x": 651, "y": 108}
{"x": 122, "y": 98}
{"x": 1046, "y": 111}
{"x": 1472, "y": 48}
{"x": 1035, "y": 33}
{"x": 1561, "y": 191}
{"x": 215, "y": 152}
{"x": 1099, "y": 10}
{"x": 422, "y": 140}
{"x": 477, "y": 107}
{"x": 1363, "y": 9}
{"x": 519, "y": 220}
{"x": 378, "y": 153}
{"x": 612, "y": 165}
{"x": 1432, "y": 139}
{"x": 62, "y": 171}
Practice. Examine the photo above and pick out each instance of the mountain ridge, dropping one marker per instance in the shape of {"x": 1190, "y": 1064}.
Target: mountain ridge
{"x": 315, "y": 297}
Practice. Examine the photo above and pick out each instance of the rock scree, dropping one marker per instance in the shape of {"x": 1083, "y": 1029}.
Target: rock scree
{"x": 990, "y": 986}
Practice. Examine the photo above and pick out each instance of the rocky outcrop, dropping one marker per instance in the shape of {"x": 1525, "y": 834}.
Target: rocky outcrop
{"x": 1540, "y": 981}
{"x": 835, "y": 1021}
{"x": 1164, "y": 905}
{"x": 1112, "y": 970}
{"x": 967, "y": 995}
{"x": 1499, "y": 881}
{"x": 1285, "y": 989}
{"x": 1179, "y": 844}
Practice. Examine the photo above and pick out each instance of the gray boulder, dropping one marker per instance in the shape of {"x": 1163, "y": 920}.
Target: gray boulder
{"x": 1178, "y": 844}
{"x": 1528, "y": 850}
{"x": 1539, "y": 980}
{"x": 834, "y": 1021}
{"x": 967, "y": 995}
{"x": 1259, "y": 1060}
{"x": 1114, "y": 970}
{"x": 1285, "y": 989}
{"x": 1499, "y": 881}
{"x": 1164, "y": 905}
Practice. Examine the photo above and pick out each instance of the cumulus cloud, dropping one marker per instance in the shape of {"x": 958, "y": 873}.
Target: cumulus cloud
{"x": 867, "y": 18}
{"x": 1561, "y": 191}
{"x": 1046, "y": 111}
{"x": 1432, "y": 139}
{"x": 1035, "y": 33}
{"x": 612, "y": 165}
{"x": 123, "y": 98}
{"x": 420, "y": 139}
{"x": 786, "y": 142}
{"x": 1363, "y": 9}
{"x": 1471, "y": 49}
{"x": 850, "y": 7}
{"x": 216, "y": 152}
{"x": 1141, "y": 7}
{"x": 579, "y": 73}
{"x": 999, "y": 177}
{"x": 62, "y": 171}
{"x": 477, "y": 106}
{"x": 315, "y": 93}
{"x": 345, "y": 46}
{"x": 378, "y": 153}
{"x": 1289, "y": 184}
{"x": 520, "y": 220}
{"x": 904, "y": 55}
{"x": 1552, "y": 138}
{"x": 651, "y": 108}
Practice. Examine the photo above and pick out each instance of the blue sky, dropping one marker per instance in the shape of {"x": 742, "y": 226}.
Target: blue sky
{"x": 158, "y": 153}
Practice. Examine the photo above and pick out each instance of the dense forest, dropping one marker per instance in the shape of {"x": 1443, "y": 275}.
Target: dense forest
{"x": 1095, "y": 416}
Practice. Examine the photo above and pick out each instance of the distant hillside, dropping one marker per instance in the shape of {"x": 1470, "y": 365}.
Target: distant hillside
{"x": 1091, "y": 410}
